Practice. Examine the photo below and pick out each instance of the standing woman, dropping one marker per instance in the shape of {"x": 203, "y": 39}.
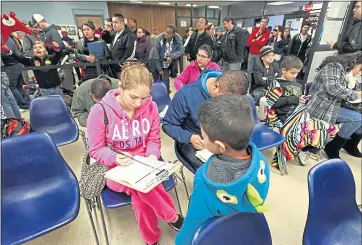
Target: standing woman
{"x": 276, "y": 41}
{"x": 328, "y": 91}
{"x": 82, "y": 51}
{"x": 287, "y": 39}
{"x": 144, "y": 46}
{"x": 133, "y": 129}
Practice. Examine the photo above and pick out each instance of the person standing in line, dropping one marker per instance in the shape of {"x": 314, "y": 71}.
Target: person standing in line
{"x": 144, "y": 46}
{"x": 154, "y": 36}
{"x": 287, "y": 39}
{"x": 258, "y": 38}
{"x": 30, "y": 40}
{"x": 215, "y": 45}
{"x": 233, "y": 46}
{"x": 300, "y": 43}
{"x": 132, "y": 24}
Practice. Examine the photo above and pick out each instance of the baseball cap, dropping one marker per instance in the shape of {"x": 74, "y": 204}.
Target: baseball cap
{"x": 36, "y": 18}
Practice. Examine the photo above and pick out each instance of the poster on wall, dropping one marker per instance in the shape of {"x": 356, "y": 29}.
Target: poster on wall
{"x": 295, "y": 25}
{"x": 183, "y": 23}
{"x": 71, "y": 30}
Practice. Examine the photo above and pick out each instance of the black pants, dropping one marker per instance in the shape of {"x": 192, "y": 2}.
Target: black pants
{"x": 165, "y": 77}
{"x": 188, "y": 152}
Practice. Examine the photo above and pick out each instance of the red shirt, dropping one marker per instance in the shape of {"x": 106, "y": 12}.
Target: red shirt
{"x": 258, "y": 40}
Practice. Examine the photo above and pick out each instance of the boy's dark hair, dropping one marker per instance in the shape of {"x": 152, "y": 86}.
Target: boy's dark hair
{"x": 206, "y": 48}
{"x": 234, "y": 82}
{"x": 291, "y": 62}
{"x": 119, "y": 17}
{"x": 264, "y": 18}
{"x": 229, "y": 119}
{"x": 134, "y": 20}
{"x": 229, "y": 18}
{"x": 208, "y": 27}
{"x": 99, "y": 88}
{"x": 172, "y": 27}
{"x": 306, "y": 24}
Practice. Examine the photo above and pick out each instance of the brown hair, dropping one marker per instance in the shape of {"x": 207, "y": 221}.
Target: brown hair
{"x": 234, "y": 82}
{"x": 134, "y": 74}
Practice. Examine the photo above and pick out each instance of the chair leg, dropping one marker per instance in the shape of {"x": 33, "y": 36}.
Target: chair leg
{"x": 282, "y": 161}
{"x": 184, "y": 181}
{"x": 88, "y": 204}
{"x": 175, "y": 188}
{"x": 100, "y": 208}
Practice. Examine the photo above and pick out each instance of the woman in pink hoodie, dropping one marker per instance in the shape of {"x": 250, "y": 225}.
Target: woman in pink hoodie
{"x": 133, "y": 129}
{"x": 192, "y": 71}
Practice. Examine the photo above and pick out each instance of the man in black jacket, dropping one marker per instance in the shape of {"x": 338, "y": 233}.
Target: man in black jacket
{"x": 233, "y": 45}
{"x": 122, "y": 40}
{"x": 300, "y": 42}
{"x": 198, "y": 38}
{"x": 352, "y": 41}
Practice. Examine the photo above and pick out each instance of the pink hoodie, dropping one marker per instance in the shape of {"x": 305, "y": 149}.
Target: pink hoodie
{"x": 139, "y": 136}
{"x": 191, "y": 74}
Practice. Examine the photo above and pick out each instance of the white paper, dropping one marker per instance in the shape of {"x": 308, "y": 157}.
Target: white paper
{"x": 330, "y": 31}
{"x": 183, "y": 23}
{"x": 203, "y": 155}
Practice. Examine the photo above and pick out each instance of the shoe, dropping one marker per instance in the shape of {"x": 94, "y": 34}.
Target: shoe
{"x": 178, "y": 224}
{"x": 24, "y": 107}
{"x": 154, "y": 243}
{"x": 334, "y": 146}
{"x": 351, "y": 146}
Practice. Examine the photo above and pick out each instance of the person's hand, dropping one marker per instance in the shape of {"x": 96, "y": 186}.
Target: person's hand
{"x": 92, "y": 58}
{"x": 331, "y": 45}
{"x": 108, "y": 28}
{"x": 161, "y": 73}
{"x": 196, "y": 142}
{"x": 304, "y": 99}
{"x": 124, "y": 160}
{"x": 169, "y": 60}
{"x": 188, "y": 56}
{"x": 55, "y": 46}
{"x": 5, "y": 49}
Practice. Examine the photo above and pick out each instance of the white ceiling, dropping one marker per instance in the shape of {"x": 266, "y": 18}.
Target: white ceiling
{"x": 181, "y": 3}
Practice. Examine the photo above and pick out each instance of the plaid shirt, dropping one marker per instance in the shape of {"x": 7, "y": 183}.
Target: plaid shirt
{"x": 328, "y": 91}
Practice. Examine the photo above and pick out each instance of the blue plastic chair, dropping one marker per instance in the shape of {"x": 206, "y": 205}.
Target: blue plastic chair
{"x": 49, "y": 114}
{"x": 265, "y": 138}
{"x": 39, "y": 191}
{"x": 333, "y": 215}
{"x": 160, "y": 95}
{"x": 240, "y": 228}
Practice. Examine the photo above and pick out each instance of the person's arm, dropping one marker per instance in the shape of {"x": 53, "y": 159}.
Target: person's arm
{"x": 79, "y": 51}
{"x": 79, "y": 109}
{"x": 251, "y": 37}
{"x": 131, "y": 42}
{"x": 273, "y": 96}
{"x": 197, "y": 214}
{"x": 57, "y": 54}
{"x": 240, "y": 44}
{"x": 332, "y": 79}
{"x": 28, "y": 46}
{"x": 179, "y": 50}
{"x": 183, "y": 78}
{"x": 153, "y": 140}
{"x": 154, "y": 56}
{"x": 106, "y": 36}
{"x": 261, "y": 41}
{"x": 148, "y": 51}
{"x": 344, "y": 46}
{"x": 21, "y": 58}
{"x": 260, "y": 79}
{"x": 55, "y": 37}
{"x": 176, "y": 115}
{"x": 107, "y": 54}
{"x": 96, "y": 131}
{"x": 292, "y": 44}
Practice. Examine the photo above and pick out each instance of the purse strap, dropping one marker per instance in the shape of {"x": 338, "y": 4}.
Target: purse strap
{"x": 106, "y": 122}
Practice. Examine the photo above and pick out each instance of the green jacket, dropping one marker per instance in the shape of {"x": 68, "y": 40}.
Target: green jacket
{"x": 83, "y": 101}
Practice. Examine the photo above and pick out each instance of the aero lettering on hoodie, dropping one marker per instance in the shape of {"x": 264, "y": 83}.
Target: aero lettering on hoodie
{"x": 130, "y": 133}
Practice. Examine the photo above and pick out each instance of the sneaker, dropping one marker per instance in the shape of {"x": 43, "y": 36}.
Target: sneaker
{"x": 178, "y": 224}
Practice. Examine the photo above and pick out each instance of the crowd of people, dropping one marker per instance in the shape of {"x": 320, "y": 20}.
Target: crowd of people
{"x": 210, "y": 110}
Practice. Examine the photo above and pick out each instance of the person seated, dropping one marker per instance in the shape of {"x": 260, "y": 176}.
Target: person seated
{"x": 236, "y": 178}
{"x": 48, "y": 80}
{"x": 181, "y": 121}
{"x": 90, "y": 92}
{"x": 265, "y": 71}
{"x": 133, "y": 129}
{"x": 193, "y": 70}
{"x": 286, "y": 108}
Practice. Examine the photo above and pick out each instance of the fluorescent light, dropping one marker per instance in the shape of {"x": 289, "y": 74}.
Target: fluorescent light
{"x": 213, "y": 7}
{"x": 164, "y": 3}
{"x": 136, "y": 2}
{"x": 189, "y": 5}
{"x": 279, "y": 3}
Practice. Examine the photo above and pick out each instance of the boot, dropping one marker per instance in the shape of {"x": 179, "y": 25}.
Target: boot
{"x": 352, "y": 146}
{"x": 333, "y": 147}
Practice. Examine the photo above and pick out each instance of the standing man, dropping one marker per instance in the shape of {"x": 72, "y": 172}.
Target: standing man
{"x": 132, "y": 24}
{"x": 122, "y": 41}
{"x": 197, "y": 39}
{"x": 258, "y": 38}
{"x": 48, "y": 33}
{"x": 154, "y": 36}
{"x": 300, "y": 43}
{"x": 168, "y": 49}
{"x": 352, "y": 41}
{"x": 30, "y": 40}
{"x": 233, "y": 45}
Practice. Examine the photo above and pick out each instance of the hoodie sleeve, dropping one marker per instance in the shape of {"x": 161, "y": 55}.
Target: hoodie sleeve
{"x": 183, "y": 78}
{"x": 175, "y": 116}
{"x": 197, "y": 214}
{"x": 96, "y": 131}
{"x": 153, "y": 141}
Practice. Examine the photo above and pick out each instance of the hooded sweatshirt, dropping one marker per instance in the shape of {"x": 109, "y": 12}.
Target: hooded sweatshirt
{"x": 245, "y": 192}
{"x": 51, "y": 34}
{"x": 137, "y": 136}
{"x": 191, "y": 73}
{"x": 181, "y": 120}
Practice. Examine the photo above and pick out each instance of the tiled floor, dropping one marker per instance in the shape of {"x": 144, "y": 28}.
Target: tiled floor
{"x": 287, "y": 201}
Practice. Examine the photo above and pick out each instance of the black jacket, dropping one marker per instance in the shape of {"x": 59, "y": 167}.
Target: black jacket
{"x": 196, "y": 42}
{"x": 299, "y": 48}
{"x": 125, "y": 46}
{"x": 263, "y": 76}
{"x": 352, "y": 41}
{"x": 234, "y": 44}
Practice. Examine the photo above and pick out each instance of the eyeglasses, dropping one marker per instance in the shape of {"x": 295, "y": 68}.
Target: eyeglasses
{"x": 202, "y": 56}
{"x": 275, "y": 30}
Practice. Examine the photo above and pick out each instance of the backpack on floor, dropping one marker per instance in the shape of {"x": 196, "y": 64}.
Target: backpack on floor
{"x": 13, "y": 127}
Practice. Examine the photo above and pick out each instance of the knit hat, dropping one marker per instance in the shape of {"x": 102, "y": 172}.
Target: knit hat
{"x": 90, "y": 24}
{"x": 36, "y": 18}
{"x": 219, "y": 28}
{"x": 266, "y": 50}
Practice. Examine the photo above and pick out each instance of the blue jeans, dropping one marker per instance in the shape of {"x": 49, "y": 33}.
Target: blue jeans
{"x": 16, "y": 83}
{"x": 52, "y": 91}
{"x": 9, "y": 105}
{"x": 352, "y": 123}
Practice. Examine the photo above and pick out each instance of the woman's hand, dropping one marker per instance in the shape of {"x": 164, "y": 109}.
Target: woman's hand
{"x": 304, "y": 99}
{"x": 124, "y": 160}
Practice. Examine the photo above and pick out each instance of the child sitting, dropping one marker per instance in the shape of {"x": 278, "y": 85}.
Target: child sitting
{"x": 48, "y": 80}
{"x": 236, "y": 178}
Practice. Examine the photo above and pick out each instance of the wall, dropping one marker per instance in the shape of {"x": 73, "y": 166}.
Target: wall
{"x": 56, "y": 12}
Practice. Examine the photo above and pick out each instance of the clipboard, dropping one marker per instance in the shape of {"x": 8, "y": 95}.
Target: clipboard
{"x": 96, "y": 49}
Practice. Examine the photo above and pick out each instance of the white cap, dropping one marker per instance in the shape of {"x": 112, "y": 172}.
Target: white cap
{"x": 36, "y": 18}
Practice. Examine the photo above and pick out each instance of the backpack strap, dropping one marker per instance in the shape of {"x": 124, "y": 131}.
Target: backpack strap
{"x": 106, "y": 122}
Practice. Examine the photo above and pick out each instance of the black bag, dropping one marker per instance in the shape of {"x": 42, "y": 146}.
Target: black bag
{"x": 13, "y": 127}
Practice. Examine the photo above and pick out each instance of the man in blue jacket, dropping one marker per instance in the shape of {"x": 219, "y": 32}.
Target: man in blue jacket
{"x": 181, "y": 120}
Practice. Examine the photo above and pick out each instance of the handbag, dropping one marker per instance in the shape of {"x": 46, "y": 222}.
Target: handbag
{"x": 14, "y": 126}
{"x": 92, "y": 180}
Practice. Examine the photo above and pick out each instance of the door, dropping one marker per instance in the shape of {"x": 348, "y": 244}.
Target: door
{"x": 97, "y": 20}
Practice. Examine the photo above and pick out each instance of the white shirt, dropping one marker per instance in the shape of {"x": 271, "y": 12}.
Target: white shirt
{"x": 118, "y": 34}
